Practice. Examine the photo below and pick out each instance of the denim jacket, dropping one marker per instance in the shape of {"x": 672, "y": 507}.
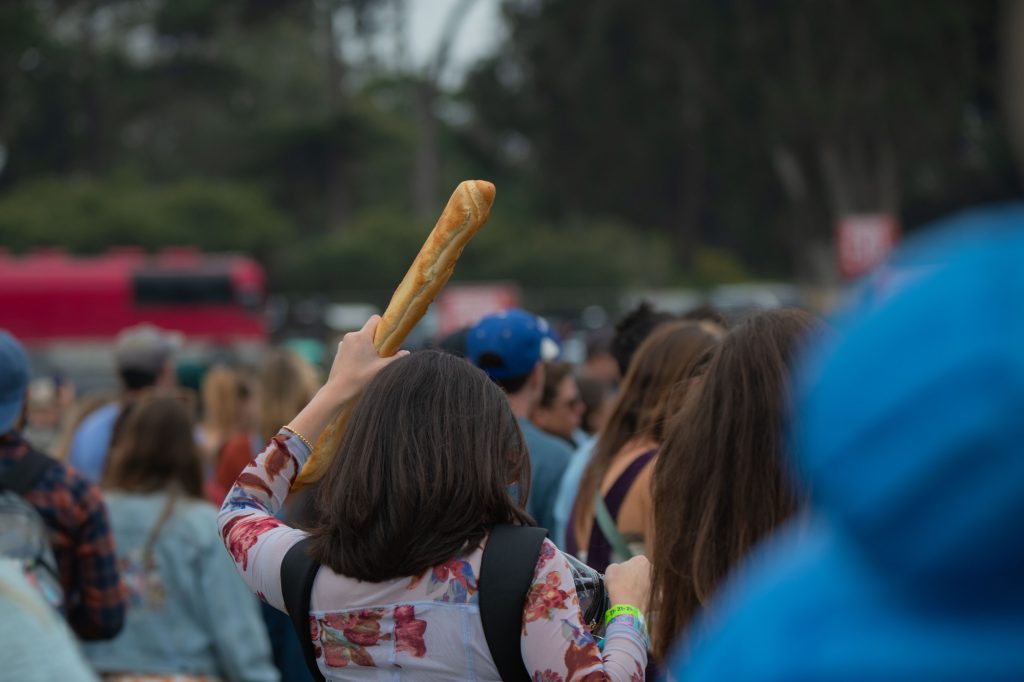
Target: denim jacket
{"x": 188, "y": 612}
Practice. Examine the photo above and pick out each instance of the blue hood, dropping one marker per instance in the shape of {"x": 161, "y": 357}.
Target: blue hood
{"x": 910, "y": 439}
{"x": 911, "y": 425}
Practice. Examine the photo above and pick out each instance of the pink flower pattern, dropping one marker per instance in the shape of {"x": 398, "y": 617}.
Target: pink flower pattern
{"x": 458, "y": 579}
{"x": 544, "y": 599}
{"x": 409, "y": 631}
{"x": 241, "y": 532}
{"x": 547, "y": 553}
{"x": 345, "y": 636}
{"x": 276, "y": 462}
{"x": 546, "y": 676}
{"x": 348, "y": 637}
{"x": 254, "y": 487}
{"x": 314, "y": 631}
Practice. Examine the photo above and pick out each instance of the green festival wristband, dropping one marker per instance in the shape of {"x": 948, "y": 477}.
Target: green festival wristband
{"x": 622, "y": 610}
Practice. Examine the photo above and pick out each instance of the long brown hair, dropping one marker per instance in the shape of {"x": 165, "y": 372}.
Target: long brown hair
{"x": 422, "y": 470}
{"x": 720, "y": 483}
{"x": 652, "y": 389}
{"x": 156, "y": 449}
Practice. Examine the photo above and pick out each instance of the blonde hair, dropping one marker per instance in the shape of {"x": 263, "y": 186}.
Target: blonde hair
{"x": 221, "y": 398}
{"x": 287, "y": 383}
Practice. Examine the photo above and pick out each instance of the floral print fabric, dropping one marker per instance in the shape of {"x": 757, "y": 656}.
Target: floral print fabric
{"x": 349, "y": 637}
{"x": 424, "y": 627}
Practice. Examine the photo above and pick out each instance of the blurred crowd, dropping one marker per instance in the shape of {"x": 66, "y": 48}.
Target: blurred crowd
{"x": 816, "y": 500}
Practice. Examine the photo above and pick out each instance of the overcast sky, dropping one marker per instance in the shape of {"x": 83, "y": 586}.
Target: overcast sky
{"x": 477, "y": 37}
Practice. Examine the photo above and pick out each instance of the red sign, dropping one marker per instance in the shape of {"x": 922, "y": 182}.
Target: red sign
{"x": 864, "y": 241}
{"x": 462, "y": 305}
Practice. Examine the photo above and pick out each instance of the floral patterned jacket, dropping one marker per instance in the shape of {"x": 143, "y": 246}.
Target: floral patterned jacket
{"x": 423, "y": 627}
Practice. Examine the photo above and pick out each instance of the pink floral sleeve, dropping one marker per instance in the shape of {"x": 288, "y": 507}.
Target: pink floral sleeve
{"x": 255, "y": 539}
{"x": 555, "y": 645}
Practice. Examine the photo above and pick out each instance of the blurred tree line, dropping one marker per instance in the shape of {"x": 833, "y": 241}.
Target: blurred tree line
{"x": 651, "y": 143}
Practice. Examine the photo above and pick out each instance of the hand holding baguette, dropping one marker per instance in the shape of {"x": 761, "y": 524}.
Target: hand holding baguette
{"x": 466, "y": 212}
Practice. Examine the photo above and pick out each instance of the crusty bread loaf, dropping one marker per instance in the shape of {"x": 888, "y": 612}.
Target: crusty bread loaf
{"x": 465, "y": 214}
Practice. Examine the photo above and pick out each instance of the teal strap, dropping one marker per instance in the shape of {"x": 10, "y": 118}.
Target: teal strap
{"x": 607, "y": 524}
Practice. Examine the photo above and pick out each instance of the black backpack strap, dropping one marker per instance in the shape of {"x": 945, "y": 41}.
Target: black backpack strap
{"x": 298, "y": 571}
{"x": 26, "y": 471}
{"x": 506, "y": 572}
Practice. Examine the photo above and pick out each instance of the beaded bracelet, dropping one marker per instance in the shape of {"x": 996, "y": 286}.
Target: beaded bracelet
{"x": 298, "y": 435}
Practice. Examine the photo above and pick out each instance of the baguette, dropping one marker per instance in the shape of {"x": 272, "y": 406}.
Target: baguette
{"x": 466, "y": 212}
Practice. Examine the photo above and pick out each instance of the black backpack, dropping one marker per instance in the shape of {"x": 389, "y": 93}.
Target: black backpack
{"x": 506, "y": 571}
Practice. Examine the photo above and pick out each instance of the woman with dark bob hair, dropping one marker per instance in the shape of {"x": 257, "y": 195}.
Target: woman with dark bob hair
{"x": 420, "y": 475}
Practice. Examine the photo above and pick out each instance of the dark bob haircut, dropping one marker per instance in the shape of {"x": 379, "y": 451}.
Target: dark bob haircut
{"x": 422, "y": 471}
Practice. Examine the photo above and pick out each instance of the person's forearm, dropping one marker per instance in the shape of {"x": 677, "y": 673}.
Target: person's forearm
{"x": 316, "y": 415}
{"x": 251, "y": 534}
{"x": 264, "y": 484}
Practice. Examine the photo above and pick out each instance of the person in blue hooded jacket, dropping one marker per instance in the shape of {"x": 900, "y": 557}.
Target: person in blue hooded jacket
{"x": 909, "y": 438}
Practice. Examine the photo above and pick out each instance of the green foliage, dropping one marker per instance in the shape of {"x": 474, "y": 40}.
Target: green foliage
{"x": 89, "y": 216}
{"x": 582, "y": 254}
{"x": 633, "y": 143}
{"x": 673, "y": 116}
{"x": 374, "y": 253}
{"x": 713, "y": 266}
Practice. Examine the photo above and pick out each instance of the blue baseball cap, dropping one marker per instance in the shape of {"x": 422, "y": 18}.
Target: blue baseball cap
{"x": 14, "y": 377}
{"x": 510, "y": 343}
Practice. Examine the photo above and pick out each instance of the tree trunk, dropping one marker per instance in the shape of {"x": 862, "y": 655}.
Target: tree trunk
{"x": 809, "y": 246}
{"x": 426, "y": 179}
{"x": 92, "y": 99}
{"x": 338, "y": 171}
{"x": 427, "y": 168}
{"x": 689, "y": 205}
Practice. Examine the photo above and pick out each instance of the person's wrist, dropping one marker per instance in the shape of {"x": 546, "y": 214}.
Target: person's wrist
{"x": 336, "y": 393}
{"x": 297, "y": 434}
{"x": 629, "y": 616}
{"x": 618, "y": 609}
{"x": 626, "y": 597}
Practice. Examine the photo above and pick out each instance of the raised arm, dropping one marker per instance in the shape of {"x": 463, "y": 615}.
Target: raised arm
{"x": 255, "y": 539}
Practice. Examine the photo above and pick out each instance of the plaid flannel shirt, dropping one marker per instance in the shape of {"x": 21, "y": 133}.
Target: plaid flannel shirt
{"x": 73, "y": 509}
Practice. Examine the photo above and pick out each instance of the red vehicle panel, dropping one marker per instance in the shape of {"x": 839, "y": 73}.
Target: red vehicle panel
{"x": 50, "y": 296}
